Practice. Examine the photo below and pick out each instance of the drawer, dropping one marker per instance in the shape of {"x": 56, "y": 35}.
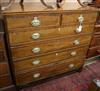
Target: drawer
{"x": 29, "y": 34}
{"x": 98, "y": 19}
{"x": 49, "y": 58}
{"x": 4, "y": 68}
{"x": 97, "y": 30}
{"x": 95, "y": 40}
{"x": 5, "y": 81}
{"x": 52, "y": 69}
{"x": 33, "y": 20}
{"x": 92, "y": 52}
{"x": 73, "y": 18}
{"x": 2, "y": 56}
{"x": 1, "y": 41}
{"x": 39, "y": 47}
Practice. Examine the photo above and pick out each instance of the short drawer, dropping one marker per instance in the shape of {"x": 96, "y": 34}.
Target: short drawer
{"x": 29, "y": 34}
{"x": 49, "y": 58}
{"x": 32, "y": 20}
{"x": 52, "y": 69}
{"x": 40, "y": 47}
{"x": 74, "y": 18}
{"x": 5, "y": 81}
{"x": 4, "y": 68}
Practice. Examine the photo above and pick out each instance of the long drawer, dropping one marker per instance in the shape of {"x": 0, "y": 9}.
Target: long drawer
{"x": 49, "y": 58}
{"x": 39, "y": 47}
{"x": 19, "y": 36}
{"x": 49, "y": 70}
{"x": 75, "y": 17}
{"x": 5, "y": 80}
{"x": 33, "y": 20}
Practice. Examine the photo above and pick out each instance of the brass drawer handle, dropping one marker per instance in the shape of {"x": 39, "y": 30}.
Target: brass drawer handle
{"x": 37, "y": 75}
{"x": 36, "y": 50}
{"x": 36, "y": 62}
{"x": 79, "y": 29}
{"x": 81, "y": 19}
{"x": 35, "y": 36}
{"x": 35, "y": 22}
{"x": 71, "y": 66}
{"x": 73, "y": 53}
{"x": 76, "y": 42}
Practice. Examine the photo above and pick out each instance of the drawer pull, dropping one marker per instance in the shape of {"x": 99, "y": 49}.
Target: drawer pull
{"x": 35, "y": 22}
{"x": 73, "y": 53}
{"x": 79, "y": 29}
{"x": 76, "y": 42}
{"x": 81, "y": 19}
{"x": 36, "y": 50}
{"x": 71, "y": 66}
{"x": 37, "y": 75}
{"x": 35, "y": 35}
{"x": 36, "y": 62}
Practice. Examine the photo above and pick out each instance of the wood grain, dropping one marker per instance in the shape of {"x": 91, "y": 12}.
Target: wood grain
{"x": 57, "y": 36}
{"x": 2, "y": 56}
{"x": 73, "y": 18}
{"x": 1, "y": 40}
{"x": 95, "y": 42}
{"x": 5, "y": 81}
{"x": 53, "y": 69}
{"x": 26, "y": 64}
{"x": 4, "y": 68}
{"x": 23, "y": 21}
{"x": 5, "y": 76}
{"x": 19, "y": 36}
{"x": 52, "y": 45}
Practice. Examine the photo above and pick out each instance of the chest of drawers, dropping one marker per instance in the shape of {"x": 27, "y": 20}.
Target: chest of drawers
{"x": 95, "y": 42}
{"x": 6, "y": 83}
{"x": 45, "y": 43}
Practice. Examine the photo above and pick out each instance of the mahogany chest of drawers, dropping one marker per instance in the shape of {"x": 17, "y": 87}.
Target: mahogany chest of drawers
{"x": 5, "y": 75}
{"x": 94, "y": 49}
{"x": 45, "y": 43}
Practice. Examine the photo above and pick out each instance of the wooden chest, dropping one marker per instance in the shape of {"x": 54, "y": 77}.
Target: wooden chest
{"x": 95, "y": 42}
{"x": 45, "y": 43}
{"x": 5, "y": 76}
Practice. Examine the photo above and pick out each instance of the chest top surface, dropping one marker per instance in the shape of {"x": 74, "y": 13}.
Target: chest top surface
{"x": 38, "y": 7}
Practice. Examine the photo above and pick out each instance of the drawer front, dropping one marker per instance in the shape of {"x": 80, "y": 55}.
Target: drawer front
{"x": 46, "y": 59}
{"x": 37, "y": 48}
{"x": 92, "y": 52}
{"x": 53, "y": 69}
{"x": 2, "y": 56}
{"x": 97, "y": 30}
{"x": 3, "y": 68}
{"x": 73, "y": 18}
{"x": 5, "y": 81}
{"x": 32, "y": 20}
{"x": 29, "y": 34}
{"x": 1, "y": 41}
{"x": 95, "y": 40}
{"x": 98, "y": 19}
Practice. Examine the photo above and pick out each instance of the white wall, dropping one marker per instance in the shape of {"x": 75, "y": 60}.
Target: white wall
{"x": 50, "y": 0}
{"x": 39, "y": 0}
